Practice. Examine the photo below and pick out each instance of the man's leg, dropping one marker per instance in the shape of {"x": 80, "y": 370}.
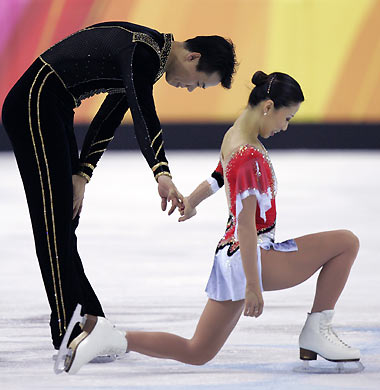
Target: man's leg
{"x": 36, "y": 123}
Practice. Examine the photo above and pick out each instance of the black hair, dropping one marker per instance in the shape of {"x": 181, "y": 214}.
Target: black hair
{"x": 281, "y": 88}
{"x": 217, "y": 55}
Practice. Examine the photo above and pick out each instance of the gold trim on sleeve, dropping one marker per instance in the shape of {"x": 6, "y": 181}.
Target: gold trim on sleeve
{"x": 96, "y": 151}
{"x": 103, "y": 140}
{"x": 162, "y": 173}
{"x": 159, "y": 165}
{"x": 80, "y": 173}
{"x": 101, "y": 124}
{"x": 158, "y": 151}
{"x": 87, "y": 165}
{"x": 157, "y": 135}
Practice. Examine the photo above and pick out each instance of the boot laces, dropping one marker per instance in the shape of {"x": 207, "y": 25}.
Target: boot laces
{"x": 331, "y": 335}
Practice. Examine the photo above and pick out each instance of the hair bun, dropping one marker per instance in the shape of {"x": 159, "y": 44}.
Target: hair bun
{"x": 259, "y": 78}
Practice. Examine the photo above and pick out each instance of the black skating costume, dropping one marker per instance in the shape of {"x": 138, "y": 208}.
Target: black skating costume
{"x": 121, "y": 59}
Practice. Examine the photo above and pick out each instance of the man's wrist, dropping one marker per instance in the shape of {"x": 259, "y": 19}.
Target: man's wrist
{"x": 84, "y": 176}
{"x": 162, "y": 174}
{"x": 86, "y": 170}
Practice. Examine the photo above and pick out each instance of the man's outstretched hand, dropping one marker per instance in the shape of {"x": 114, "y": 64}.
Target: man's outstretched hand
{"x": 169, "y": 193}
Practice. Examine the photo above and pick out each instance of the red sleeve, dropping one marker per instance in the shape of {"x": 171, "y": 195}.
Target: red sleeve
{"x": 218, "y": 175}
{"x": 252, "y": 174}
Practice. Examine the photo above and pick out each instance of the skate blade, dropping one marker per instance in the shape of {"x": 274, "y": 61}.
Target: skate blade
{"x": 64, "y": 354}
{"x": 99, "y": 359}
{"x": 103, "y": 359}
{"x": 330, "y": 368}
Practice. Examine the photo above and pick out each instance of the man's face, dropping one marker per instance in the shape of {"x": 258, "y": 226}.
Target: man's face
{"x": 185, "y": 75}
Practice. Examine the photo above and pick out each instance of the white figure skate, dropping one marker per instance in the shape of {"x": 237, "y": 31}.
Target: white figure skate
{"x": 99, "y": 337}
{"x": 319, "y": 338}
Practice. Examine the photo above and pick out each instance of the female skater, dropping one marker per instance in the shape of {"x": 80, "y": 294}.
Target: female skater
{"x": 247, "y": 260}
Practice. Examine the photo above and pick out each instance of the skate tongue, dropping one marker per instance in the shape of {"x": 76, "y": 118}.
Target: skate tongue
{"x": 328, "y": 314}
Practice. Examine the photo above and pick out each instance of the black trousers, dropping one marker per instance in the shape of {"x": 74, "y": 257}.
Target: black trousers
{"x": 38, "y": 117}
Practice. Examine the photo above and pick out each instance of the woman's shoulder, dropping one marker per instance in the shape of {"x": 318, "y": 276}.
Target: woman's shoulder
{"x": 249, "y": 168}
{"x": 244, "y": 153}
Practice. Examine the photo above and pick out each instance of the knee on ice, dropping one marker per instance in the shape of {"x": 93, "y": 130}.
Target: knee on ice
{"x": 199, "y": 357}
{"x": 350, "y": 240}
{"x": 200, "y": 361}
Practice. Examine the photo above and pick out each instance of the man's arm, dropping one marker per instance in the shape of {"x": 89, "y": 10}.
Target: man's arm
{"x": 139, "y": 71}
{"x": 101, "y": 132}
{"x": 140, "y": 67}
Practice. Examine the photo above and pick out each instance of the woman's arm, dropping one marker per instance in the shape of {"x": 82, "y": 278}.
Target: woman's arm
{"x": 247, "y": 235}
{"x": 202, "y": 192}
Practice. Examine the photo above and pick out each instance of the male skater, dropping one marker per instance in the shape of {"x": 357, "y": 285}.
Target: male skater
{"x": 123, "y": 60}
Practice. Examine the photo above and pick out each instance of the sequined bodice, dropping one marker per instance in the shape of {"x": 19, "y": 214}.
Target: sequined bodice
{"x": 235, "y": 158}
{"x": 262, "y": 166}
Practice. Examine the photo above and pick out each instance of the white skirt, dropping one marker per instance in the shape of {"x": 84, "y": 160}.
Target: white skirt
{"x": 227, "y": 280}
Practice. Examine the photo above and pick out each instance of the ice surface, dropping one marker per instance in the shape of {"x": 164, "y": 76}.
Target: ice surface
{"x": 150, "y": 273}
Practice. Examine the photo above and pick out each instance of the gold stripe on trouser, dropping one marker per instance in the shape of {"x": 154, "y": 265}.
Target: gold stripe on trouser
{"x": 57, "y": 300}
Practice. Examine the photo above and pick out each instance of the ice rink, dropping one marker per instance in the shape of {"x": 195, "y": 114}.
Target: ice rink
{"x": 150, "y": 272}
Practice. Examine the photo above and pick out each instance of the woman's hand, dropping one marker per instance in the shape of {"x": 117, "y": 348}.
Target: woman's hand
{"x": 187, "y": 211}
{"x": 79, "y": 184}
{"x": 254, "y": 302}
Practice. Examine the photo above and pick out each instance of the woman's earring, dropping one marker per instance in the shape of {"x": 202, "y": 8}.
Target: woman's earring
{"x": 265, "y": 113}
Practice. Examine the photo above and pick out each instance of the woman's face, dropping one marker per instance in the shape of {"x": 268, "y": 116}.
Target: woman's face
{"x": 277, "y": 120}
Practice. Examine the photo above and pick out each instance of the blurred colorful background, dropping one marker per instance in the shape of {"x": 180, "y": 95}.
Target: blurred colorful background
{"x": 331, "y": 47}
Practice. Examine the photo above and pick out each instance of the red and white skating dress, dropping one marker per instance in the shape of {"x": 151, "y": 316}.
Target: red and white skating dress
{"x": 249, "y": 172}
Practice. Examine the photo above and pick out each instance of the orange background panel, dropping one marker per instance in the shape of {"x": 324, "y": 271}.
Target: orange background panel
{"x": 331, "y": 47}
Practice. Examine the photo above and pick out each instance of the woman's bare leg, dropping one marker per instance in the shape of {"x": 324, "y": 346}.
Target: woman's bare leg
{"x": 334, "y": 251}
{"x": 215, "y": 325}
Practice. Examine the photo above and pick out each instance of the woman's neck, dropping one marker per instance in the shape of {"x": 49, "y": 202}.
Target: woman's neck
{"x": 247, "y": 126}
